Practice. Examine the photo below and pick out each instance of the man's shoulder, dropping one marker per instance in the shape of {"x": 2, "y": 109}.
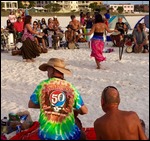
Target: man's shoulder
{"x": 99, "y": 120}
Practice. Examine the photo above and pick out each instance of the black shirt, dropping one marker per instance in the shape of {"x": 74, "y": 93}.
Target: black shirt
{"x": 49, "y": 31}
{"x": 120, "y": 27}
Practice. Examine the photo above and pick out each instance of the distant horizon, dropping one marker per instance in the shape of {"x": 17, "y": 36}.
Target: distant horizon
{"x": 123, "y": 2}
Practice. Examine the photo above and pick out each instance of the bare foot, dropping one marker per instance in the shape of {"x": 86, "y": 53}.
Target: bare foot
{"x": 32, "y": 60}
{"x": 98, "y": 67}
{"x": 28, "y": 60}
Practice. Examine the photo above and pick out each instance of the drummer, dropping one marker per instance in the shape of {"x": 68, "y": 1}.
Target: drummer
{"x": 38, "y": 39}
{"x": 70, "y": 35}
{"x": 121, "y": 27}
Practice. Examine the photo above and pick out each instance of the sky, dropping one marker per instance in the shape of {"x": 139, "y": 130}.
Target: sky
{"x": 121, "y": 2}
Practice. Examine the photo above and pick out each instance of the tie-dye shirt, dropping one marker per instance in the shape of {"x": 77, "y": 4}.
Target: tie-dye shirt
{"x": 57, "y": 99}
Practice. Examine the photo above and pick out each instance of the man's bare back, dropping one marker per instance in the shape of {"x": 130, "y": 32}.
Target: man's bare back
{"x": 117, "y": 124}
{"x": 128, "y": 124}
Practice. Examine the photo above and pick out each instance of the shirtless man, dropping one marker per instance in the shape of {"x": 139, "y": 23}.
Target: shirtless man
{"x": 117, "y": 124}
{"x": 76, "y": 26}
{"x": 70, "y": 35}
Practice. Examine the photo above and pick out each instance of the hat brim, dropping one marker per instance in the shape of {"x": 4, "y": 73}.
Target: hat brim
{"x": 44, "y": 67}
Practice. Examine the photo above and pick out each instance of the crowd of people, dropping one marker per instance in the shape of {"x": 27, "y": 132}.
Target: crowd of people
{"x": 51, "y": 32}
{"x": 58, "y": 99}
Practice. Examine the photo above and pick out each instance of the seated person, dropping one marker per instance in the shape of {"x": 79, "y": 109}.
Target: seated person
{"x": 43, "y": 23}
{"x": 49, "y": 31}
{"x": 10, "y": 28}
{"x": 18, "y": 27}
{"x": 121, "y": 27}
{"x": 38, "y": 39}
{"x": 140, "y": 40}
{"x": 55, "y": 21}
{"x": 70, "y": 35}
{"x": 57, "y": 99}
{"x": 58, "y": 32}
{"x": 117, "y": 124}
{"x": 76, "y": 26}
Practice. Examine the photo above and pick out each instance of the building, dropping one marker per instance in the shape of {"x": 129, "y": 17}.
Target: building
{"x": 146, "y": 8}
{"x": 10, "y": 5}
{"x": 84, "y": 5}
{"x": 128, "y": 8}
{"x": 68, "y": 5}
{"x": 41, "y": 3}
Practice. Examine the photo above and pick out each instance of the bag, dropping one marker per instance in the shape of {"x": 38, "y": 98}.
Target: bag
{"x": 25, "y": 123}
{"x": 16, "y": 52}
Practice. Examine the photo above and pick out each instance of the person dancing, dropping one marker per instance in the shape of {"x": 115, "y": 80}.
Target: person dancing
{"x": 97, "y": 41}
{"x": 29, "y": 48}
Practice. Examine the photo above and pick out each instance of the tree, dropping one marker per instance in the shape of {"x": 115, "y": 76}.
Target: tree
{"x": 102, "y": 8}
{"x": 2, "y": 5}
{"x": 120, "y": 9}
{"x": 111, "y": 9}
{"x": 56, "y": 7}
{"x": 20, "y": 5}
{"x": 137, "y": 8}
{"x": 94, "y": 6}
{"x": 53, "y": 7}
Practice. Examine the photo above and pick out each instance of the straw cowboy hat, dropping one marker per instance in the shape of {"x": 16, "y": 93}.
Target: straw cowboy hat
{"x": 56, "y": 63}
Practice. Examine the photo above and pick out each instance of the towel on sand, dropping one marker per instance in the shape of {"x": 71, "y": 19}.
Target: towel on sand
{"x": 32, "y": 133}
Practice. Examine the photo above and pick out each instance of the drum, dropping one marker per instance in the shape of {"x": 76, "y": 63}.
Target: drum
{"x": 56, "y": 41}
{"x": 129, "y": 49}
{"x": 71, "y": 45}
{"x": 115, "y": 37}
{"x": 116, "y": 33}
{"x": 39, "y": 36}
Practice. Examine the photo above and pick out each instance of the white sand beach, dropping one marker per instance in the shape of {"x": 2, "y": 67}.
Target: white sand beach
{"x": 130, "y": 75}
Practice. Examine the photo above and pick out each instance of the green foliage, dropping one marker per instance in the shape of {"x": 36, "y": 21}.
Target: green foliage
{"x": 20, "y": 5}
{"x": 120, "y": 9}
{"x": 102, "y": 8}
{"x": 94, "y": 6}
{"x": 2, "y": 5}
{"x": 54, "y": 7}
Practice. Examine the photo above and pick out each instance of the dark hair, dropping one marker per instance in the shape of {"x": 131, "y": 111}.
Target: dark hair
{"x": 27, "y": 20}
{"x": 108, "y": 97}
{"x": 18, "y": 17}
{"x": 141, "y": 26}
{"x": 43, "y": 21}
{"x": 35, "y": 22}
{"x": 72, "y": 16}
{"x": 87, "y": 13}
{"x": 98, "y": 18}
